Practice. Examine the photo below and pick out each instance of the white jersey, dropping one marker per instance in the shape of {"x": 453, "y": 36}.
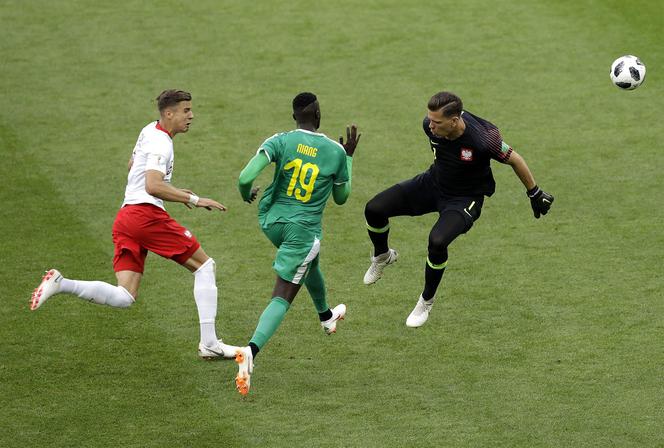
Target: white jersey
{"x": 153, "y": 151}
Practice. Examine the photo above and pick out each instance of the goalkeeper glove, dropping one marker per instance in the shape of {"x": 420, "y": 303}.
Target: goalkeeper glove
{"x": 540, "y": 201}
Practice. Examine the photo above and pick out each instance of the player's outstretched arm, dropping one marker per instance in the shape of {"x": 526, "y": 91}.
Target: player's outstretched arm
{"x": 540, "y": 201}
{"x": 341, "y": 192}
{"x": 155, "y": 186}
{"x": 249, "y": 175}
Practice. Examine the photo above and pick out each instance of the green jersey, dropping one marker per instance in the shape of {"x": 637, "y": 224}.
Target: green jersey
{"x": 307, "y": 165}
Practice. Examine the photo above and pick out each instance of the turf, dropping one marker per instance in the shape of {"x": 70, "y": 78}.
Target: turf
{"x": 545, "y": 333}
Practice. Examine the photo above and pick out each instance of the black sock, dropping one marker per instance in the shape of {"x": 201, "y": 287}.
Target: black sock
{"x": 432, "y": 278}
{"x": 325, "y": 315}
{"x": 254, "y": 349}
{"x": 379, "y": 241}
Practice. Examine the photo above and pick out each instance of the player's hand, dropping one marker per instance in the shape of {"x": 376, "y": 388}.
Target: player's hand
{"x": 352, "y": 139}
{"x": 254, "y": 193}
{"x": 540, "y": 201}
{"x": 210, "y": 204}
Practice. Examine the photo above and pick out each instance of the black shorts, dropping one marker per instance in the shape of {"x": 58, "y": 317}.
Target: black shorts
{"x": 424, "y": 197}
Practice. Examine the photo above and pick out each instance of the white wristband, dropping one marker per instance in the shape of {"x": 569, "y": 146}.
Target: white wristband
{"x": 193, "y": 199}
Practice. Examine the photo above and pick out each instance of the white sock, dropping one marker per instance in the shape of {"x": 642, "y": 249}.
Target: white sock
{"x": 205, "y": 293}
{"x": 98, "y": 292}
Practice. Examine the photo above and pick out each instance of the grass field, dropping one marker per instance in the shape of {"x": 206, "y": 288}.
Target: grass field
{"x": 546, "y": 333}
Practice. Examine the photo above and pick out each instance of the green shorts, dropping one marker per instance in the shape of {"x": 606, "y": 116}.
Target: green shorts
{"x": 297, "y": 248}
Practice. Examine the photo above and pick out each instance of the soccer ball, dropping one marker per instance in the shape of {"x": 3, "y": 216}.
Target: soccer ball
{"x": 628, "y": 72}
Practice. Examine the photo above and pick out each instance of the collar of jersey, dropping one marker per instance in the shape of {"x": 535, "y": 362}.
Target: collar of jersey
{"x": 158, "y": 126}
{"x": 310, "y": 132}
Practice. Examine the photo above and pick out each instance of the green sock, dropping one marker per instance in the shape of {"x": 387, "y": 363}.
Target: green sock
{"x": 316, "y": 286}
{"x": 269, "y": 321}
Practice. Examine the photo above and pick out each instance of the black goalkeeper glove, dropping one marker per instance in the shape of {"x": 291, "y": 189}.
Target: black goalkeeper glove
{"x": 540, "y": 201}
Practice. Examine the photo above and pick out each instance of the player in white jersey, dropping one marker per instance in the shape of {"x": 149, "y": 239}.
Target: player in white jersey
{"x": 153, "y": 150}
{"x": 143, "y": 225}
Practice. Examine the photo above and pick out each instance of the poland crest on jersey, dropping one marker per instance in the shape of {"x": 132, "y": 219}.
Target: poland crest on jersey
{"x": 466, "y": 154}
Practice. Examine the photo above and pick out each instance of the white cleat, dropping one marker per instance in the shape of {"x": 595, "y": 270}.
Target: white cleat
{"x": 245, "y": 362}
{"x": 218, "y": 351}
{"x": 338, "y": 313}
{"x": 420, "y": 313}
{"x": 378, "y": 263}
{"x": 49, "y": 286}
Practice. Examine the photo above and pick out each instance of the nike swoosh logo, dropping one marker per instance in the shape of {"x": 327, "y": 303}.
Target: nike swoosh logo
{"x": 219, "y": 353}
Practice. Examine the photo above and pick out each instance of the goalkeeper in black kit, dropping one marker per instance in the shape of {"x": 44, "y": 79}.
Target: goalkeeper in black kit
{"x": 454, "y": 186}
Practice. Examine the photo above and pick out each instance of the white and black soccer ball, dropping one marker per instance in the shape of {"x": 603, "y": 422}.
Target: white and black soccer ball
{"x": 628, "y": 72}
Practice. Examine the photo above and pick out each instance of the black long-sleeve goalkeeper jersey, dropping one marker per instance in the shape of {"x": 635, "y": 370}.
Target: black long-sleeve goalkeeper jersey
{"x": 462, "y": 166}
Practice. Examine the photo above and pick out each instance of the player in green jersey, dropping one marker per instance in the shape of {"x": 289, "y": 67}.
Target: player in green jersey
{"x": 308, "y": 168}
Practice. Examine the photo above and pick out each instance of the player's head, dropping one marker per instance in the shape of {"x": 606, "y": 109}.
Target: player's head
{"x": 445, "y": 114}
{"x": 306, "y": 110}
{"x": 175, "y": 110}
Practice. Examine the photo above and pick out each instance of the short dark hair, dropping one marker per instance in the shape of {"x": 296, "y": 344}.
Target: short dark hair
{"x": 450, "y": 104}
{"x": 171, "y": 97}
{"x": 302, "y": 100}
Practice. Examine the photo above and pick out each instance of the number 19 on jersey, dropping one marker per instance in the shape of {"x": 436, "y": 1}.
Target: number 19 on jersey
{"x": 301, "y": 172}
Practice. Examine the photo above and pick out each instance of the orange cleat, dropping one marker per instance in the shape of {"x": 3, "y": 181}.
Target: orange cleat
{"x": 245, "y": 361}
{"x": 50, "y": 285}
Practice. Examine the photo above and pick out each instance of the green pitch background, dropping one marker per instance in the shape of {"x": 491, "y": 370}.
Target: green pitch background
{"x": 546, "y": 333}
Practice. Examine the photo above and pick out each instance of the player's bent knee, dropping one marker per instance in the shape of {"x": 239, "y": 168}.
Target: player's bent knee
{"x": 438, "y": 243}
{"x": 374, "y": 214}
{"x": 371, "y": 209}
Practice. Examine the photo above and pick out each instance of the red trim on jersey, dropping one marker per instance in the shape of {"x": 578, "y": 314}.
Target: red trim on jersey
{"x": 158, "y": 126}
